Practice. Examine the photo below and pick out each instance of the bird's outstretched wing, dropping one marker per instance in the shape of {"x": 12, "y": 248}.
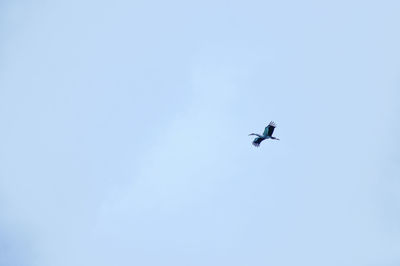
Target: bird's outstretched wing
{"x": 257, "y": 141}
{"x": 269, "y": 129}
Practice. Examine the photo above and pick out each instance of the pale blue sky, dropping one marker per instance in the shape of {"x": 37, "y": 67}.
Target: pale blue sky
{"x": 124, "y": 133}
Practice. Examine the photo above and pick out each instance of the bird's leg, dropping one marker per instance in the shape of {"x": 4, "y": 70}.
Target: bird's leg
{"x": 254, "y": 134}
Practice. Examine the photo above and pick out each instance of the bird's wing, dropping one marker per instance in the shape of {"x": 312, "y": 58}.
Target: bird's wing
{"x": 269, "y": 129}
{"x": 257, "y": 141}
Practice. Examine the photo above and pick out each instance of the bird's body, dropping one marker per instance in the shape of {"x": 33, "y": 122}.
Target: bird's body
{"x": 266, "y": 135}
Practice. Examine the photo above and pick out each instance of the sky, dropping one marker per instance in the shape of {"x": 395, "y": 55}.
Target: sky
{"x": 124, "y": 137}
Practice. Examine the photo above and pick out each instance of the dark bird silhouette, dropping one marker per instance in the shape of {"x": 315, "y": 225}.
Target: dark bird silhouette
{"x": 266, "y": 135}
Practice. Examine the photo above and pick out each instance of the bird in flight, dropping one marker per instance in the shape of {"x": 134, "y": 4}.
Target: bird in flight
{"x": 266, "y": 135}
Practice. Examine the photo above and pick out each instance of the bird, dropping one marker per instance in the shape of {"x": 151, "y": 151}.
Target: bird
{"x": 266, "y": 135}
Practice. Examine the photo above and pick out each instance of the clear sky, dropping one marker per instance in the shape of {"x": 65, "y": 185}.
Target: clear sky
{"x": 124, "y": 130}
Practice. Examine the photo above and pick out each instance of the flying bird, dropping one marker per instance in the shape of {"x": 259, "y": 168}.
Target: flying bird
{"x": 266, "y": 135}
